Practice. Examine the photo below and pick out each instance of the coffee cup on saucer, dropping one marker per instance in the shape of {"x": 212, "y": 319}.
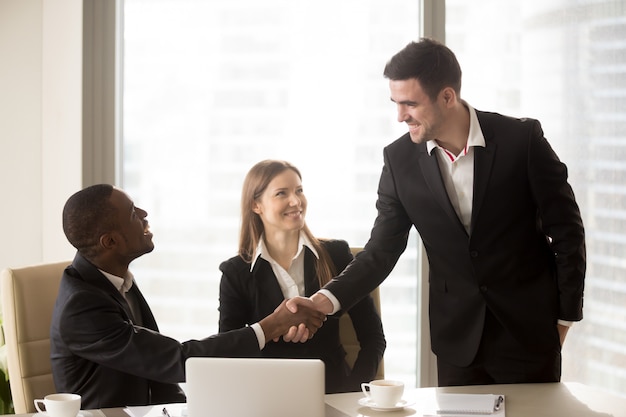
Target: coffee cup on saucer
{"x": 59, "y": 405}
{"x": 383, "y": 392}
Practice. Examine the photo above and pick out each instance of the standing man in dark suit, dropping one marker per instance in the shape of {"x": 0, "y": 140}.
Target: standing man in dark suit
{"x": 105, "y": 344}
{"x": 498, "y": 219}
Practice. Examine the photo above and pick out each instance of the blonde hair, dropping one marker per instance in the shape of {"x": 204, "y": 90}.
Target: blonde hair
{"x": 255, "y": 183}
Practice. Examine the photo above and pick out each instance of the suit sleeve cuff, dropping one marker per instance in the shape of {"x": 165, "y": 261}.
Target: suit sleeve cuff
{"x": 260, "y": 335}
{"x": 333, "y": 299}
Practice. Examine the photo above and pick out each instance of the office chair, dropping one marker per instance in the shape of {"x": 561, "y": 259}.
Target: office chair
{"x": 28, "y": 296}
{"x": 348, "y": 338}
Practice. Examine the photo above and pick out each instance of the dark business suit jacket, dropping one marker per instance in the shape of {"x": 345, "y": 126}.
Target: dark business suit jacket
{"x": 98, "y": 352}
{"x": 523, "y": 259}
{"x": 247, "y": 296}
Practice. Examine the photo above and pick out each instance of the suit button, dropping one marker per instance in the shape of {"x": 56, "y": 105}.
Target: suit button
{"x": 483, "y": 288}
{"x": 474, "y": 254}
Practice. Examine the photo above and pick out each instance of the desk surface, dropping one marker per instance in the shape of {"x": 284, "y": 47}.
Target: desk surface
{"x": 522, "y": 400}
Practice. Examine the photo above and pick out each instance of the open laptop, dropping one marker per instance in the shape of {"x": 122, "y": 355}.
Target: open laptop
{"x": 255, "y": 387}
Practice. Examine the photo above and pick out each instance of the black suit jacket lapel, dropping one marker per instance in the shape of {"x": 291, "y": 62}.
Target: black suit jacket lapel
{"x": 93, "y": 276}
{"x": 483, "y": 162}
{"x": 268, "y": 285}
{"x": 148, "y": 320}
{"x": 432, "y": 176}
{"x": 311, "y": 282}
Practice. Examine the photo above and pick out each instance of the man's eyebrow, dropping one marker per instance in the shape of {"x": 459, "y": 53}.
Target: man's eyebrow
{"x": 403, "y": 101}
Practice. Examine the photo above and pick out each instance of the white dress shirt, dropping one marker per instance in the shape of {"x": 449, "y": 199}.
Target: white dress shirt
{"x": 457, "y": 171}
{"x": 291, "y": 281}
{"x": 123, "y": 285}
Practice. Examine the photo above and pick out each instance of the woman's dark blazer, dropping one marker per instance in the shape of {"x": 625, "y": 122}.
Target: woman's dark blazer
{"x": 248, "y": 296}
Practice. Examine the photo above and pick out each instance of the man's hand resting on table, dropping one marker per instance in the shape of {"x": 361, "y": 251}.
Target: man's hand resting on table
{"x": 319, "y": 302}
{"x": 282, "y": 319}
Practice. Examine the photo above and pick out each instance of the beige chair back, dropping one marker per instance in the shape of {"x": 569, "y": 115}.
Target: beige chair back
{"x": 28, "y": 296}
{"x": 348, "y": 337}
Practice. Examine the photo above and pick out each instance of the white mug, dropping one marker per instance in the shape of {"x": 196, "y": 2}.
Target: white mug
{"x": 59, "y": 405}
{"x": 383, "y": 392}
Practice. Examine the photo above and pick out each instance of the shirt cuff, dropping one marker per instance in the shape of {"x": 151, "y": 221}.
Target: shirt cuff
{"x": 333, "y": 299}
{"x": 565, "y": 323}
{"x": 260, "y": 335}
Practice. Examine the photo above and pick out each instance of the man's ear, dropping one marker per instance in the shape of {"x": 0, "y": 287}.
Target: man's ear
{"x": 449, "y": 95}
{"x": 108, "y": 240}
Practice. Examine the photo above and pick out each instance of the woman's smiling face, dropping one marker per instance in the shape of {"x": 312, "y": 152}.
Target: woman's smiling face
{"x": 282, "y": 206}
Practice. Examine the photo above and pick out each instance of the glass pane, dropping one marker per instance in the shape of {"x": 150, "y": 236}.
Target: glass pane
{"x": 564, "y": 63}
{"x": 212, "y": 87}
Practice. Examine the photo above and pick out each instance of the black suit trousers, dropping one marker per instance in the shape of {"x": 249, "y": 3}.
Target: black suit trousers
{"x": 501, "y": 359}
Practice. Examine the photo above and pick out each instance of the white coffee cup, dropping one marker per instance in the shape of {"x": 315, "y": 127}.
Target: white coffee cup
{"x": 59, "y": 405}
{"x": 383, "y": 392}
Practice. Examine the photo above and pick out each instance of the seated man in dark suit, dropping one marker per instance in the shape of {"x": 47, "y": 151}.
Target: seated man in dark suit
{"x": 105, "y": 344}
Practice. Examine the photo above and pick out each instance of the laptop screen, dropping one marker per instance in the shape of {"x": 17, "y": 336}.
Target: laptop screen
{"x": 255, "y": 387}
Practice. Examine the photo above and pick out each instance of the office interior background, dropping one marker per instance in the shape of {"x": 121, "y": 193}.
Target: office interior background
{"x": 174, "y": 100}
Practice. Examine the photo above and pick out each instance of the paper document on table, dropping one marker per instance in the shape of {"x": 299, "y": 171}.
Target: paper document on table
{"x": 451, "y": 404}
{"x": 163, "y": 410}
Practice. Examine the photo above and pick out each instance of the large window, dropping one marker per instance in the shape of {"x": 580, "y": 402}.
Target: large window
{"x": 564, "y": 62}
{"x": 212, "y": 87}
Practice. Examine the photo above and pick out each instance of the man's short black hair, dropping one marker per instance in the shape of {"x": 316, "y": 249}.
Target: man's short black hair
{"x": 432, "y": 63}
{"x": 87, "y": 215}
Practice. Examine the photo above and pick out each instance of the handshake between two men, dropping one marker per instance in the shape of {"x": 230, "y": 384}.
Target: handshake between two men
{"x": 297, "y": 319}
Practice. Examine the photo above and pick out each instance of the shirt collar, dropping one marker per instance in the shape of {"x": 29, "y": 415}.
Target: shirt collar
{"x": 262, "y": 252}
{"x": 121, "y": 284}
{"x": 475, "y": 136}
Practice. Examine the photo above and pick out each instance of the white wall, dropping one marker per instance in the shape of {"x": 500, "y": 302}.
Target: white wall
{"x": 40, "y": 126}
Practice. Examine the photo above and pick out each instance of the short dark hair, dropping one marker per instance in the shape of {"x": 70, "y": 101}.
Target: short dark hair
{"x": 432, "y": 63}
{"x": 87, "y": 215}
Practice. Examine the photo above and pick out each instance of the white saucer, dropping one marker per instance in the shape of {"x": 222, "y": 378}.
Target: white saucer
{"x": 367, "y": 402}
{"x": 81, "y": 413}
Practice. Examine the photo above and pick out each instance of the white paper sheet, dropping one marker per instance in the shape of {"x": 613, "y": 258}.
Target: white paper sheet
{"x": 466, "y": 405}
{"x": 174, "y": 410}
